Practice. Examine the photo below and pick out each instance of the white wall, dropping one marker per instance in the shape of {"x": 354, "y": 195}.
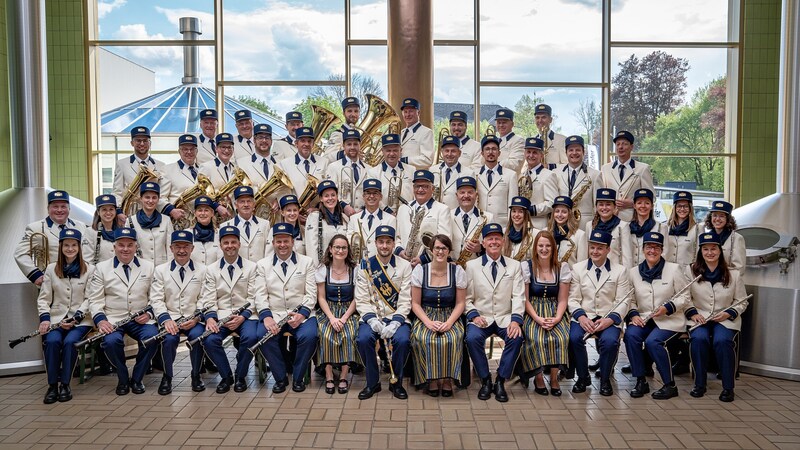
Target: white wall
{"x": 121, "y": 81}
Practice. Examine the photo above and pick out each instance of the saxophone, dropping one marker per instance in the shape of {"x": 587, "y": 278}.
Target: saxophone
{"x": 522, "y": 253}
{"x": 465, "y": 254}
{"x": 572, "y": 248}
{"x": 577, "y": 199}
{"x": 416, "y": 223}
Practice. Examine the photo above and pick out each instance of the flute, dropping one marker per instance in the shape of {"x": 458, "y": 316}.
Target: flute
{"x": 677, "y": 294}
{"x": 53, "y": 326}
{"x": 236, "y": 312}
{"x": 182, "y": 320}
{"x": 714, "y": 313}
{"x": 130, "y": 317}
{"x": 587, "y": 335}
{"x": 269, "y": 335}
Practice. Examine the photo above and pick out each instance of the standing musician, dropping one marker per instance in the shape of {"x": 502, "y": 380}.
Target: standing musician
{"x": 259, "y": 166}
{"x": 244, "y": 145}
{"x": 349, "y": 172}
{"x": 555, "y": 153}
{"x": 656, "y": 284}
{"x": 338, "y": 323}
{"x": 351, "y": 110}
{"x": 182, "y": 174}
{"x": 438, "y": 297}
{"x": 468, "y": 220}
{"x": 606, "y": 219}
{"x": 683, "y": 230}
{"x": 423, "y": 215}
{"x": 229, "y": 284}
{"x": 519, "y": 235}
{"x": 643, "y": 222}
{"x": 174, "y": 294}
{"x": 152, "y": 227}
{"x": 285, "y": 148}
{"x": 372, "y": 217}
{"x": 302, "y": 164}
{"x": 570, "y": 239}
{"x": 206, "y": 245}
{"x": 416, "y": 138}
{"x": 448, "y": 171}
{"x": 576, "y": 180}
{"x": 220, "y": 169}
{"x": 206, "y": 145}
{"x": 104, "y": 223}
{"x": 541, "y": 192}
{"x": 383, "y": 299}
{"x": 497, "y": 184}
{"x": 62, "y": 299}
{"x": 721, "y": 223}
{"x": 252, "y": 230}
{"x": 626, "y": 175}
{"x": 495, "y": 304}
{"x": 546, "y": 320}
{"x": 598, "y": 300}
{"x": 290, "y": 214}
{"x": 119, "y": 287}
{"x": 392, "y": 173}
{"x": 717, "y": 303}
{"x": 470, "y": 148}
{"x": 50, "y": 227}
{"x": 285, "y": 282}
{"x": 512, "y": 146}
{"x": 326, "y": 222}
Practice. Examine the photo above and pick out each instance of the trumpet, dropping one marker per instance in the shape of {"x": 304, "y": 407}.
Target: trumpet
{"x": 650, "y": 316}
{"x": 182, "y": 320}
{"x": 587, "y": 335}
{"x": 235, "y": 313}
{"x": 39, "y": 250}
{"x": 253, "y": 348}
{"x": 715, "y": 312}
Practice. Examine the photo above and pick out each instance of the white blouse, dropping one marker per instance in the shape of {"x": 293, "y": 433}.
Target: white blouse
{"x": 565, "y": 276}
{"x": 461, "y": 276}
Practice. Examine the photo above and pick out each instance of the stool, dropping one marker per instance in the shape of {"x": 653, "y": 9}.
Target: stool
{"x": 87, "y": 352}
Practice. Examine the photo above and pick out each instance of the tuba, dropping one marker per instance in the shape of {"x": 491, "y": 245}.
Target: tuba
{"x": 321, "y": 121}
{"x": 379, "y": 113}
{"x": 184, "y": 202}
{"x": 131, "y": 202}
{"x": 239, "y": 178}
{"x": 39, "y": 250}
{"x": 277, "y": 181}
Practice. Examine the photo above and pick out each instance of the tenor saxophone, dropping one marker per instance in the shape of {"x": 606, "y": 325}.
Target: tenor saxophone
{"x": 522, "y": 253}
{"x": 465, "y": 254}
{"x": 576, "y": 211}
{"x": 416, "y": 223}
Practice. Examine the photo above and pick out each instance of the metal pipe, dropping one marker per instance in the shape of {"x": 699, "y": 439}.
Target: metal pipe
{"x": 30, "y": 128}
{"x": 190, "y": 29}
{"x": 788, "y": 159}
{"x": 411, "y": 55}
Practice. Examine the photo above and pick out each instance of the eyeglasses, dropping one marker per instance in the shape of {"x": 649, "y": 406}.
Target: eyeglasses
{"x": 424, "y": 187}
{"x": 440, "y": 249}
{"x": 681, "y": 206}
{"x": 339, "y": 248}
{"x": 141, "y": 140}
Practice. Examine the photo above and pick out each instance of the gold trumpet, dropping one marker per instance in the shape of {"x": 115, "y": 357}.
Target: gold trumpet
{"x": 379, "y": 114}
{"x": 184, "y": 202}
{"x": 277, "y": 181}
{"x": 321, "y": 121}
{"x": 131, "y": 201}
{"x": 39, "y": 250}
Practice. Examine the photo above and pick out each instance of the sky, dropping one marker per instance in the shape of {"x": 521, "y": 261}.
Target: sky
{"x": 523, "y": 40}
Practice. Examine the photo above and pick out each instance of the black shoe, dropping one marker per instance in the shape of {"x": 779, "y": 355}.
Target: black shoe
{"x": 137, "y": 387}
{"x": 726, "y": 395}
{"x": 432, "y": 392}
{"x": 64, "y": 393}
{"x": 594, "y": 366}
{"x": 569, "y": 373}
{"x": 197, "y": 384}
{"x": 165, "y": 388}
{"x": 580, "y": 385}
{"x": 555, "y": 392}
{"x": 369, "y": 391}
{"x": 525, "y": 380}
{"x": 398, "y": 390}
{"x": 330, "y": 389}
{"x": 240, "y": 385}
{"x": 298, "y": 386}
{"x": 698, "y": 391}
{"x": 447, "y": 393}
{"x": 280, "y": 386}
{"x": 224, "y": 385}
{"x": 52, "y": 394}
{"x": 123, "y": 389}
{"x": 539, "y": 390}
{"x": 486, "y": 389}
{"x": 605, "y": 389}
{"x": 641, "y": 388}
{"x": 500, "y": 390}
{"x": 597, "y": 374}
{"x": 626, "y": 369}
{"x": 666, "y": 392}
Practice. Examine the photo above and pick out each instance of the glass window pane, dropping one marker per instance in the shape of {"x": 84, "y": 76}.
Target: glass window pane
{"x": 368, "y": 19}
{"x": 704, "y": 176}
{"x": 369, "y": 71}
{"x": 151, "y": 19}
{"x": 675, "y": 20}
{"x": 453, "y": 19}
{"x": 542, "y": 41}
{"x": 295, "y": 41}
{"x": 453, "y": 83}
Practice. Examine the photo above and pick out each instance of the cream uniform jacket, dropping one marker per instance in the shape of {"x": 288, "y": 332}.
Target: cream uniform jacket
{"x": 384, "y": 173}
{"x": 50, "y": 229}
{"x": 283, "y": 148}
{"x": 706, "y": 299}
{"x": 252, "y": 247}
{"x": 379, "y": 218}
{"x": 253, "y": 166}
{"x": 205, "y": 253}
{"x": 648, "y": 297}
{"x": 335, "y": 143}
{"x": 459, "y": 235}
{"x": 180, "y": 179}
{"x": 399, "y": 271}
{"x": 512, "y": 151}
{"x": 341, "y": 172}
{"x": 542, "y": 194}
{"x": 217, "y": 172}
{"x": 560, "y": 183}
{"x": 112, "y": 295}
{"x": 417, "y": 143}
{"x": 735, "y": 252}
{"x": 153, "y": 243}
{"x": 173, "y": 297}
{"x": 206, "y": 149}
{"x": 221, "y": 294}
{"x": 449, "y": 187}
{"x": 595, "y": 298}
{"x": 637, "y": 176}
{"x": 278, "y": 293}
{"x": 294, "y": 167}
{"x": 471, "y": 153}
{"x": 620, "y": 250}
{"x": 436, "y": 220}
{"x": 499, "y": 300}
{"x": 496, "y": 197}
{"x": 317, "y": 243}
{"x": 127, "y": 169}
{"x": 636, "y": 251}
{"x": 556, "y": 152}
{"x": 61, "y": 298}
{"x": 579, "y": 243}
{"x": 683, "y": 249}
{"x": 243, "y": 147}
{"x": 106, "y": 248}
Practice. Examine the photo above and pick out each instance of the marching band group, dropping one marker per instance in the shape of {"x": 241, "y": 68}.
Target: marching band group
{"x": 387, "y": 243}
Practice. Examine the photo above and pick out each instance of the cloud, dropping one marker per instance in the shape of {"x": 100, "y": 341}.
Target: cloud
{"x": 103, "y": 8}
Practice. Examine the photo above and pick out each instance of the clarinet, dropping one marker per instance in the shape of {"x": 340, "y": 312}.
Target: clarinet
{"x": 99, "y": 241}
{"x": 53, "y": 326}
{"x": 269, "y": 335}
{"x": 129, "y": 318}
{"x": 236, "y": 312}
{"x": 182, "y": 320}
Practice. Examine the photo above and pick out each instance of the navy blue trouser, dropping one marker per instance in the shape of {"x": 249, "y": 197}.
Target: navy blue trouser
{"x": 723, "y": 340}
{"x": 60, "y": 354}
{"x": 654, "y": 340}
{"x": 306, "y": 340}
{"x": 607, "y": 347}
{"x": 401, "y": 346}
{"x": 248, "y": 336}
{"x": 475, "y": 338}
{"x": 169, "y": 348}
{"x": 114, "y": 346}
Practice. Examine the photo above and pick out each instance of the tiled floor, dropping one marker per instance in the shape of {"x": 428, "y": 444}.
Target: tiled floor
{"x": 766, "y": 414}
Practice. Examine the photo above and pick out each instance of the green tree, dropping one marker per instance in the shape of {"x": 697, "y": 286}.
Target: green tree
{"x": 524, "y": 111}
{"x": 330, "y": 103}
{"x": 588, "y": 114}
{"x": 258, "y": 105}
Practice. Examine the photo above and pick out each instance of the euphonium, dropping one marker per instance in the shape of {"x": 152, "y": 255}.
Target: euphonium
{"x": 39, "y": 250}
{"x": 525, "y": 186}
{"x": 320, "y": 122}
{"x": 278, "y": 180}
{"x": 379, "y": 113}
{"x": 184, "y": 202}
{"x": 239, "y": 178}
{"x": 131, "y": 202}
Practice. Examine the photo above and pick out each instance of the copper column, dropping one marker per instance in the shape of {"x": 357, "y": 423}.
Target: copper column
{"x": 411, "y": 55}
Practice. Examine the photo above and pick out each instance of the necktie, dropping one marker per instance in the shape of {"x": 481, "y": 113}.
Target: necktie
{"x": 494, "y": 270}
{"x": 62, "y": 227}
{"x": 598, "y": 272}
{"x": 127, "y": 270}
{"x": 394, "y": 172}
{"x": 466, "y": 222}
{"x": 355, "y": 172}
{"x": 143, "y": 163}
{"x": 247, "y": 229}
{"x": 621, "y": 171}
{"x": 308, "y": 166}
{"x": 266, "y": 168}
{"x": 447, "y": 175}
{"x": 193, "y": 172}
{"x": 182, "y": 273}
{"x": 369, "y": 222}
{"x": 489, "y": 177}
{"x": 284, "y": 266}
{"x": 213, "y": 146}
{"x": 572, "y": 179}
{"x": 230, "y": 271}
{"x": 227, "y": 175}
{"x": 249, "y": 145}
{"x": 405, "y": 134}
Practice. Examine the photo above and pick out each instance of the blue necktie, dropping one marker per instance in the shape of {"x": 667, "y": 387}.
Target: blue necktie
{"x": 266, "y": 168}
{"x": 494, "y": 270}
{"x": 447, "y": 175}
{"x": 213, "y": 146}
{"x": 227, "y": 174}
{"x": 247, "y": 229}
{"x": 308, "y": 166}
{"x": 127, "y": 270}
{"x": 394, "y": 172}
{"x": 405, "y": 134}
{"x": 489, "y": 177}
{"x": 355, "y": 172}
{"x": 193, "y": 172}
{"x": 621, "y": 171}
{"x": 249, "y": 145}
{"x": 369, "y": 222}
{"x": 598, "y": 272}
{"x": 182, "y": 272}
{"x": 284, "y": 266}
{"x": 230, "y": 271}
{"x": 466, "y": 222}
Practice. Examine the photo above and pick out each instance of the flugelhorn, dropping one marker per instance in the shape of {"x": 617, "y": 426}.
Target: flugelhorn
{"x": 39, "y": 250}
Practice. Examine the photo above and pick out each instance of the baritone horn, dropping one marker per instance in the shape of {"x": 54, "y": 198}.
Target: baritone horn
{"x": 346, "y": 184}
{"x": 184, "y": 202}
{"x": 131, "y": 201}
{"x": 322, "y": 119}
{"x": 379, "y": 114}
{"x": 276, "y": 182}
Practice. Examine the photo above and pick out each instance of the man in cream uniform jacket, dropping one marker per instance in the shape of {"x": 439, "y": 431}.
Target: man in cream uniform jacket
{"x": 435, "y": 219}
{"x": 555, "y": 152}
{"x": 349, "y": 172}
{"x": 182, "y": 174}
{"x": 599, "y": 295}
{"x": 285, "y": 290}
{"x": 512, "y": 151}
{"x": 572, "y": 178}
{"x": 56, "y": 220}
{"x": 119, "y": 287}
{"x": 286, "y": 147}
{"x": 221, "y": 169}
{"x": 468, "y": 219}
{"x": 416, "y": 138}
{"x": 304, "y": 163}
{"x": 230, "y": 283}
{"x": 252, "y": 230}
{"x": 449, "y": 170}
{"x": 390, "y": 168}
{"x": 625, "y": 175}
{"x": 174, "y": 294}
{"x": 371, "y": 217}
{"x": 206, "y": 144}
{"x": 244, "y": 144}
{"x": 259, "y": 166}
{"x": 470, "y": 148}
{"x": 497, "y": 185}
{"x": 351, "y": 110}
{"x": 542, "y": 192}
{"x": 495, "y": 305}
